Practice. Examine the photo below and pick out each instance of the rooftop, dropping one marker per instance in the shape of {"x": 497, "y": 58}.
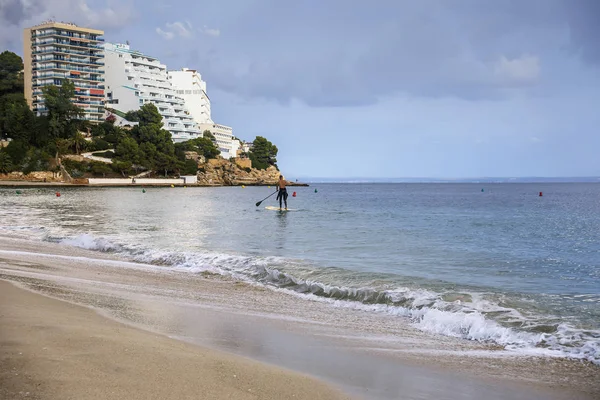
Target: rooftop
{"x": 68, "y": 26}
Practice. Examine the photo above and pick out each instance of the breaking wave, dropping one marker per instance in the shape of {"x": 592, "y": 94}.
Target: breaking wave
{"x": 463, "y": 315}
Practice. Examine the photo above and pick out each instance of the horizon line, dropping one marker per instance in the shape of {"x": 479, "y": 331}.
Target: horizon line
{"x": 505, "y": 178}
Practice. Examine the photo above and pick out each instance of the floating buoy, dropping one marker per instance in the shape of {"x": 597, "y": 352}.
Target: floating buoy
{"x": 482, "y": 190}
{"x": 184, "y": 187}
{"x": 294, "y": 194}
{"x": 143, "y": 190}
{"x": 541, "y": 194}
{"x": 243, "y": 187}
{"x": 173, "y": 186}
{"x": 57, "y": 194}
{"x": 18, "y": 192}
{"x": 269, "y": 187}
{"x": 315, "y": 190}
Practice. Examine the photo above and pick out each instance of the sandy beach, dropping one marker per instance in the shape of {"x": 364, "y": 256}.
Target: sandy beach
{"x": 55, "y": 350}
{"x": 122, "y": 343}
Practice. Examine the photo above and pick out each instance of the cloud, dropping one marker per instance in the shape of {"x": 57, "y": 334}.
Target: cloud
{"x": 180, "y": 29}
{"x": 356, "y": 53}
{"x": 211, "y": 31}
{"x": 583, "y": 17}
{"x": 165, "y": 34}
{"x": 15, "y": 15}
{"x": 522, "y": 70}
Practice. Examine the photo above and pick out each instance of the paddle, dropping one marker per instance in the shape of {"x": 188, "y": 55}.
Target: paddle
{"x": 258, "y": 204}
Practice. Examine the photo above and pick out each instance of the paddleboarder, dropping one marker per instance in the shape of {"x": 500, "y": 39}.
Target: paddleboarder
{"x": 282, "y": 191}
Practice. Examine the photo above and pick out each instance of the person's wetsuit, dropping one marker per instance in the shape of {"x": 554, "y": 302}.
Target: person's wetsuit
{"x": 282, "y": 194}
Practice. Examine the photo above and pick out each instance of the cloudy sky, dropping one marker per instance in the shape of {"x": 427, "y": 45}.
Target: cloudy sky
{"x": 382, "y": 88}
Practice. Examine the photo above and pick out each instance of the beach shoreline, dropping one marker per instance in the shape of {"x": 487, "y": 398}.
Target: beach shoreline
{"x": 196, "y": 308}
{"x": 56, "y": 350}
{"x": 28, "y": 184}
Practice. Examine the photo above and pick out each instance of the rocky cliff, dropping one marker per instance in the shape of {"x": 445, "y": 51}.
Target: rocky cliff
{"x": 227, "y": 173}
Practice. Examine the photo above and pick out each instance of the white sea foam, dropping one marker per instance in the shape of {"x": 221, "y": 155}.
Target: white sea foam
{"x": 89, "y": 242}
{"x": 463, "y": 318}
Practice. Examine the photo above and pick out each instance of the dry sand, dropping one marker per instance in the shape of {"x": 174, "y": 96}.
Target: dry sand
{"x": 50, "y": 349}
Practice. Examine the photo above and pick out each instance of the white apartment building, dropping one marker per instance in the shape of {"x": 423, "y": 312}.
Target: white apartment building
{"x": 134, "y": 79}
{"x": 246, "y": 147}
{"x": 224, "y": 137}
{"x": 58, "y": 51}
{"x": 189, "y": 85}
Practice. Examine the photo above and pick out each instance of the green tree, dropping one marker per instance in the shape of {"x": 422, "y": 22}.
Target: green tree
{"x": 166, "y": 162}
{"x": 98, "y": 144}
{"x": 6, "y": 164}
{"x": 148, "y": 114}
{"x": 40, "y": 135}
{"x": 128, "y": 150}
{"x": 18, "y": 121}
{"x": 208, "y": 134}
{"x": 62, "y": 146}
{"x": 132, "y": 116}
{"x": 202, "y": 145}
{"x": 122, "y": 167}
{"x": 207, "y": 148}
{"x": 190, "y": 167}
{"x": 263, "y": 153}
{"x": 12, "y": 100}
{"x": 100, "y": 168}
{"x": 11, "y": 77}
{"x": 35, "y": 160}
{"x": 62, "y": 113}
{"x": 78, "y": 142}
{"x": 17, "y": 150}
{"x": 157, "y": 151}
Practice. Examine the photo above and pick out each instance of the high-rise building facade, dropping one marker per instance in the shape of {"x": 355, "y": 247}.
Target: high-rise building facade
{"x": 55, "y": 51}
{"x": 134, "y": 79}
{"x": 189, "y": 85}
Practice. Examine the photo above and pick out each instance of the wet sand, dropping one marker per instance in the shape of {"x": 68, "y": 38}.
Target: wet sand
{"x": 353, "y": 350}
{"x": 55, "y": 350}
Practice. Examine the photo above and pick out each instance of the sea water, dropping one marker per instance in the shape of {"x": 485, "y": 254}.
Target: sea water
{"x": 496, "y": 263}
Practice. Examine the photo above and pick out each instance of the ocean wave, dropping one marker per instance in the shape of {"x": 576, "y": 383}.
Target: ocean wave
{"x": 462, "y": 315}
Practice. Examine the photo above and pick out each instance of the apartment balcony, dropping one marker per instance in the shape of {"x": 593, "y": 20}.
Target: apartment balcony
{"x": 97, "y": 103}
{"x": 146, "y": 62}
{"x": 73, "y": 78}
{"x": 90, "y": 95}
{"x": 57, "y": 42}
{"x": 65, "y": 34}
{"x": 70, "y": 60}
{"x": 80, "y": 69}
{"x": 64, "y": 51}
{"x": 77, "y": 84}
{"x": 95, "y": 111}
{"x": 172, "y": 100}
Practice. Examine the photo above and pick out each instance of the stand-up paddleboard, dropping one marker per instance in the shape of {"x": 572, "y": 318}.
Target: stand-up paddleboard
{"x": 279, "y": 209}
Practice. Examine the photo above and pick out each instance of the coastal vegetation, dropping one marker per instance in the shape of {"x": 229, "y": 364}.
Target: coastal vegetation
{"x": 45, "y": 143}
{"x": 263, "y": 153}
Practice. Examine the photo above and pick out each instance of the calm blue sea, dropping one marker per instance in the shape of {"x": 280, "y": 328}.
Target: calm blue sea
{"x": 487, "y": 262}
